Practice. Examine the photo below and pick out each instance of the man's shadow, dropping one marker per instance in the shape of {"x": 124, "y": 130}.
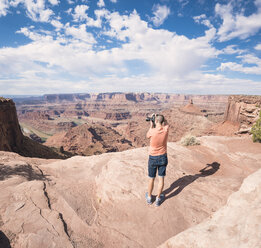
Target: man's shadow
{"x": 177, "y": 186}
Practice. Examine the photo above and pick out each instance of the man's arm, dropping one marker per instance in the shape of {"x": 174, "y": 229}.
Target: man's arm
{"x": 148, "y": 135}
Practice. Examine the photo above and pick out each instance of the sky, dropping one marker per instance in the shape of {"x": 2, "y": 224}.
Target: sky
{"x": 168, "y": 46}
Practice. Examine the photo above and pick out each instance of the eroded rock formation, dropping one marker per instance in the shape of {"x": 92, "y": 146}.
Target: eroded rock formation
{"x": 11, "y": 137}
{"x": 89, "y": 139}
{"x": 241, "y": 113}
{"x": 244, "y": 111}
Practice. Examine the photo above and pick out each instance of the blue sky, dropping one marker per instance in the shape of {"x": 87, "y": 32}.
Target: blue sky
{"x": 175, "y": 46}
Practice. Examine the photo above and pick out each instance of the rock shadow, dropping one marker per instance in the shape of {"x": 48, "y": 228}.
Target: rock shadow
{"x": 177, "y": 186}
{"x": 4, "y": 241}
{"x": 25, "y": 171}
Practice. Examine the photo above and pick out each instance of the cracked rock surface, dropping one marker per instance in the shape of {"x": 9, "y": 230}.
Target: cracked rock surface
{"x": 99, "y": 201}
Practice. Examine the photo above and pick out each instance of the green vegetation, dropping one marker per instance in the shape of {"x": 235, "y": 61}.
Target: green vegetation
{"x": 256, "y": 130}
{"x": 189, "y": 140}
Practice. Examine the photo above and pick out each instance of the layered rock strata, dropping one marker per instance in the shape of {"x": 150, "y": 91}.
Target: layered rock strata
{"x": 244, "y": 111}
{"x": 11, "y": 137}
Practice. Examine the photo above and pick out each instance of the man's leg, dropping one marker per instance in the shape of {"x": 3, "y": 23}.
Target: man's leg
{"x": 150, "y": 186}
{"x": 160, "y": 186}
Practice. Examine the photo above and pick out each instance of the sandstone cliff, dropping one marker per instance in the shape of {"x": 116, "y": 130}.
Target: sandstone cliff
{"x": 12, "y": 139}
{"x": 243, "y": 110}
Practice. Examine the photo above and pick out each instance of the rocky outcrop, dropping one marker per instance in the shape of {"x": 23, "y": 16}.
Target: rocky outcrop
{"x": 11, "y": 137}
{"x": 243, "y": 111}
{"x": 237, "y": 224}
{"x": 89, "y": 139}
{"x": 118, "y": 116}
{"x": 35, "y": 115}
{"x": 99, "y": 201}
{"x": 190, "y": 108}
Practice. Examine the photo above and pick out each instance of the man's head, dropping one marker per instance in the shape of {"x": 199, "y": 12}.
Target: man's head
{"x": 159, "y": 119}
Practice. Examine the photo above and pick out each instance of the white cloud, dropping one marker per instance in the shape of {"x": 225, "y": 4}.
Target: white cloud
{"x": 233, "y": 49}
{"x": 80, "y": 12}
{"x": 169, "y": 55}
{"x": 160, "y": 13}
{"x": 80, "y": 33}
{"x": 58, "y": 25}
{"x": 258, "y": 47}
{"x": 3, "y": 7}
{"x": 100, "y": 3}
{"x": 202, "y": 19}
{"x": 237, "y": 25}
{"x": 250, "y": 65}
{"x": 36, "y": 10}
{"x": 113, "y": 1}
{"x": 54, "y": 2}
{"x": 69, "y": 11}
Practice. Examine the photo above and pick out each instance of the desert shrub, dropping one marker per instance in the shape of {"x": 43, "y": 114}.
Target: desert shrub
{"x": 256, "y": 130}
{"x": 189, "y": 140}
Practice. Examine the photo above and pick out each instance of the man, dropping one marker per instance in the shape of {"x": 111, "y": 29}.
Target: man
{"x": 158, "y": 159}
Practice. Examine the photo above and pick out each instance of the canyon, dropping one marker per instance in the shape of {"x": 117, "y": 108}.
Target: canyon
{"x": 55, "y": 119}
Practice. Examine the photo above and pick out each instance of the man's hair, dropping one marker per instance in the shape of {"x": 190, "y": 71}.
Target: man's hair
{"x": 160, "y": 118}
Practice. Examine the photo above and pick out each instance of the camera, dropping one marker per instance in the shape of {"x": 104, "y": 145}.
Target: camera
{"x": 152, "y": 119}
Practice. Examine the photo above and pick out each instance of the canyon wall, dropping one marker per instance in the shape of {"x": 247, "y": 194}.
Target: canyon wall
{"x": 11, "y": 137}
{"x": 243, "y": 110}
{"x": 133, "y": 97}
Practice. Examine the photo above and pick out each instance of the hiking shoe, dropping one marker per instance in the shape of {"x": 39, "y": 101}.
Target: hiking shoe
{"x": 148, "y": 199}
{"x": 159, "y": 200}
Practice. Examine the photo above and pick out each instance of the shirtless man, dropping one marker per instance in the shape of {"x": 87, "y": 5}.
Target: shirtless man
{"x": 158, "y": 159}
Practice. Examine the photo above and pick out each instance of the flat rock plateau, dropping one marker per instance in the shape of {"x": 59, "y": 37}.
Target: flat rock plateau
{"x": 98, "y": 201}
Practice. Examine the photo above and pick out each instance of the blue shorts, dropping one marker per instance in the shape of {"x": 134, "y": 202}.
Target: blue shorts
{"x": 157, "y": 163}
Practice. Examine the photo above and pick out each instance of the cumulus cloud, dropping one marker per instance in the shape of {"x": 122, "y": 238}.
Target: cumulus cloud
{"x": 80, "y": 33}
{"x": 54, "y": 2}
{"x": 80, "y": 12}
{"x": 4, "y": 5}
{"x": 250, "y": 65}
{"x": 36, "y": 10}
{"x": 72, "y": 52}
{"x": 57, "y": 24}
{"x": 258, "y": 47}
{"x": 233, "y": 49}
{"x": 113, "y": 1}
{"x": 100, "y": 3}
{"x": 160, "y": 12}
{"x": 202, "y": 19}
{"x": 237, "y": 25}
